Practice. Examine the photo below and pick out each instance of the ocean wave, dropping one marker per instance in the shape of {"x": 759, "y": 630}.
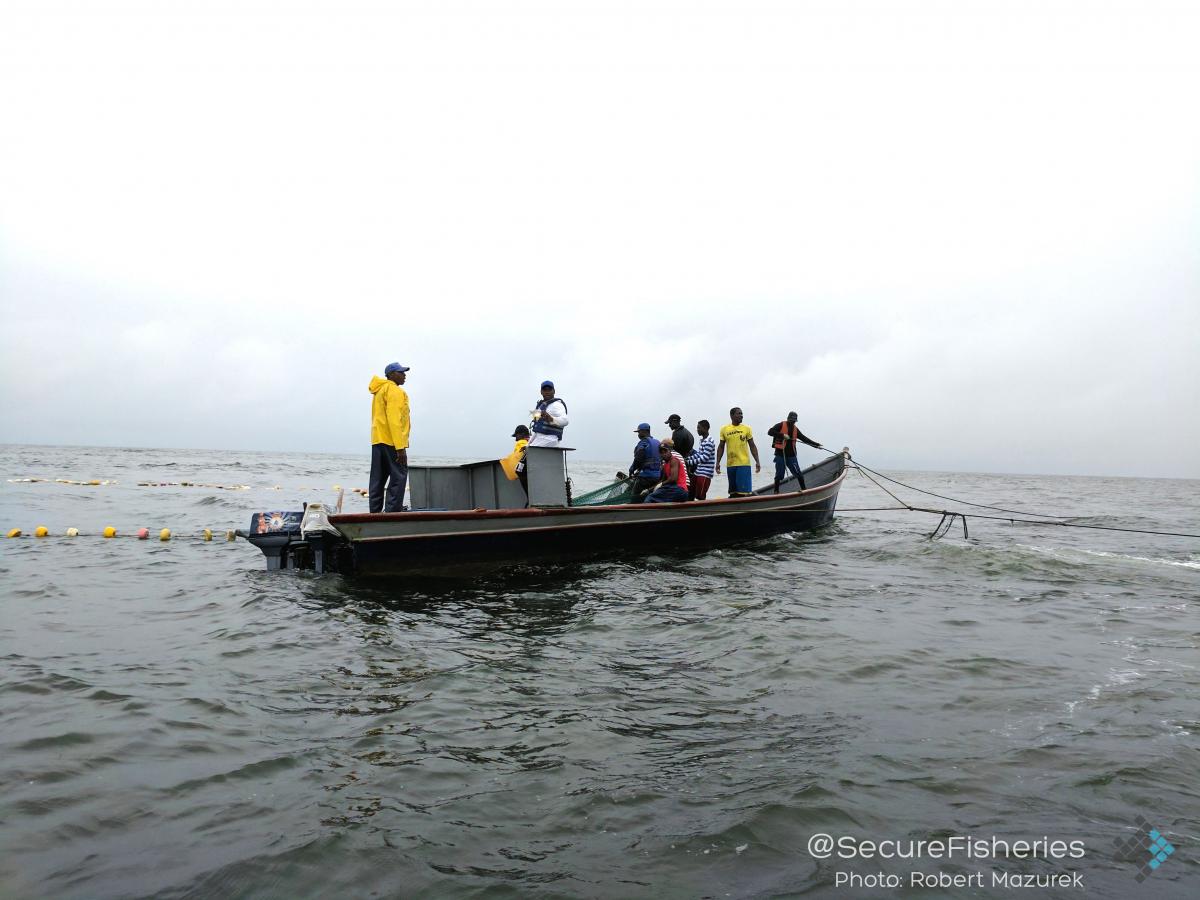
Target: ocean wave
{"x": 231, "y": 502}
{"x": 1065, "y": 553}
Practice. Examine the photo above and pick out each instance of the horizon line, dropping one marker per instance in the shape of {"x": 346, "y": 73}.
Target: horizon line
{"x": 605, "y": 461}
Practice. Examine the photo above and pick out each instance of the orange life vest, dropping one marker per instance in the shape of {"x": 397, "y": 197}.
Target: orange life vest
{"x": 786, "y": 436}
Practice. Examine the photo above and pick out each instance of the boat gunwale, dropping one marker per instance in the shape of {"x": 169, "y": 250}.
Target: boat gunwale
{"x": 571, "y": 526}
{"x": 539, "y": 512}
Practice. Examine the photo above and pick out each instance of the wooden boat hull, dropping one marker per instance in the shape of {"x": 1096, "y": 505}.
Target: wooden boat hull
{"x": 461, "y": 542}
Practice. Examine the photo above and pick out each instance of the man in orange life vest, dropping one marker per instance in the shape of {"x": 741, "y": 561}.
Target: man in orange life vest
{"x": 785, "y": 435}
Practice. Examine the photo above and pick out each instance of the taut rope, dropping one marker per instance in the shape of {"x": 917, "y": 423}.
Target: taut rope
{"x": 948, "y": 516}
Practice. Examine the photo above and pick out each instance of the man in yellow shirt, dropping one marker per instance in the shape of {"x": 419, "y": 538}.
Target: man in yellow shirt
{"x": 389, "y": 440}
{"x": 740, "y": 440}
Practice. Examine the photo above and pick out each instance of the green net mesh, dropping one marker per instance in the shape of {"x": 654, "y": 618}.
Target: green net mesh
{"x": 617, "y": 492}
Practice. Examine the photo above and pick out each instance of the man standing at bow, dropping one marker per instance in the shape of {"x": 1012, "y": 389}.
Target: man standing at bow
{"x": 785, "y": 435}
{"x": 389, "y": 439}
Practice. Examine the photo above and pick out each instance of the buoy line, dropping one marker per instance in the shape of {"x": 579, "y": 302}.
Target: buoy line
{"x": 92, "y": 483}
{"x": 243, "y": 487}
{"x": 109, "y": 532}
{"x": 219, "y": 487}
{"x": 96, "y": 482}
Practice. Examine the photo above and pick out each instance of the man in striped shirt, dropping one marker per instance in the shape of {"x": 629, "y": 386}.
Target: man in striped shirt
{"x": 702, "y": 461}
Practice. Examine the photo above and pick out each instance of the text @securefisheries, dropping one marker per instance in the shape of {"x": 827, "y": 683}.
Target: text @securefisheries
{"x": 823, "y": 846}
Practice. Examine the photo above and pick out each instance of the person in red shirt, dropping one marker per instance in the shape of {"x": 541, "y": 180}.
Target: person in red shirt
{"x": 674, "y": 484}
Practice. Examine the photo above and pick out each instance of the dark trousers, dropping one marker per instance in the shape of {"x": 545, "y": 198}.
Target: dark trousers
{"x": 386, "y": 471}
{"x": 785, "y": 463}
{"x": 641, "y": 487}
{"x": 667, "y": 493}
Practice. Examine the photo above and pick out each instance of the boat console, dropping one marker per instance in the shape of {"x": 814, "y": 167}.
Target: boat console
{"x": 483, "y": 485}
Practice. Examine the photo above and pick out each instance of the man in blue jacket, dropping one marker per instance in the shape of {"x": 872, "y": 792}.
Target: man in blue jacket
{"x": 646, "y": 469}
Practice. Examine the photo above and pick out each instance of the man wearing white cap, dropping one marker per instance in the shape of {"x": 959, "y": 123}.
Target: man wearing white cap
{"x": 389, "y": 439}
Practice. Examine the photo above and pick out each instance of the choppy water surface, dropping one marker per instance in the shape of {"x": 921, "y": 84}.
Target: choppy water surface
{"x": 178, "y": 722}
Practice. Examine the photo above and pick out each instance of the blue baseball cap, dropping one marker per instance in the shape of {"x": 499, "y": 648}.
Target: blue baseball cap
{"x": 548, "y": 384}
{"x": 645, "y": 426}
{"x": 394, "y": 367}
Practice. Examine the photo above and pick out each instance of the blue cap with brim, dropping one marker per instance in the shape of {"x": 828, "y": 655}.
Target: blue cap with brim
{"x": 548, "y": 384}
{"x": 394, "y": 367}
{"x": 645, "y": 426}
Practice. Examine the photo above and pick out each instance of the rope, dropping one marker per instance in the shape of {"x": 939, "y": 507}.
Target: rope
{"x": 1060, "y": 524}
{"x": 1020, "y": 512}
{"x": 882, "y": 488}
{"x": 948, "y": 516}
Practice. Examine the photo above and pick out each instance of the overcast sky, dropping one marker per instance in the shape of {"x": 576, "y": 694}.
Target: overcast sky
{"x": 951, "y": 235}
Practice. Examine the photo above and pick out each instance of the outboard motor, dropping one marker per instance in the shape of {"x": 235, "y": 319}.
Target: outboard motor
{"x": 272, "y": 532}
{"x": 299, "y": 540}
{"x": 327, "y": 550}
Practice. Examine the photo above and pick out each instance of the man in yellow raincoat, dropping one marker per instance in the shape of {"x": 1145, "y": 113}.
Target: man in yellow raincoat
{"x": 389, "y": 440}
{"x": 514, "y": 464}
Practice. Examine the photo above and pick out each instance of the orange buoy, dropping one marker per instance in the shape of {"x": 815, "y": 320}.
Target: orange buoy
{"x": 143, "y": 533}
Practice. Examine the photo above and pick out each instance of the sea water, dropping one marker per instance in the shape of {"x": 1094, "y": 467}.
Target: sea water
{"x": 178, "y": 722}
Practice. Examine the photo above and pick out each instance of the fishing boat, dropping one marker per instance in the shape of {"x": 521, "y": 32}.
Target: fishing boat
{"x": 468, "y": 518}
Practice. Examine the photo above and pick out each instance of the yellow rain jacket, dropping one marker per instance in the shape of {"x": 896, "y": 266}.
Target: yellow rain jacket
{"x": 389, "y": 413}
{"x": 509, "y": 463}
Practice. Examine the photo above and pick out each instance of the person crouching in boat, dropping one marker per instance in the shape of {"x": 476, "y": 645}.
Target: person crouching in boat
{"x": 514, "y": 464}
{"x": 646, "y": 469}
{"x": 683, "y": 442}
{"x": 785, "y": 435}
{"x": 669, "y": 443}
{"x": 674, "y": 477}
{"x": 549, "y": 419}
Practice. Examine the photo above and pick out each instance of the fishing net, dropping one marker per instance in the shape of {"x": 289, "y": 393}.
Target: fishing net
{"x": 617, "y": 492}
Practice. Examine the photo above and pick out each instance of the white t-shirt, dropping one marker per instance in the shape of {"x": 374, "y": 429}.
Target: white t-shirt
{"x": 556, "y": 415}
